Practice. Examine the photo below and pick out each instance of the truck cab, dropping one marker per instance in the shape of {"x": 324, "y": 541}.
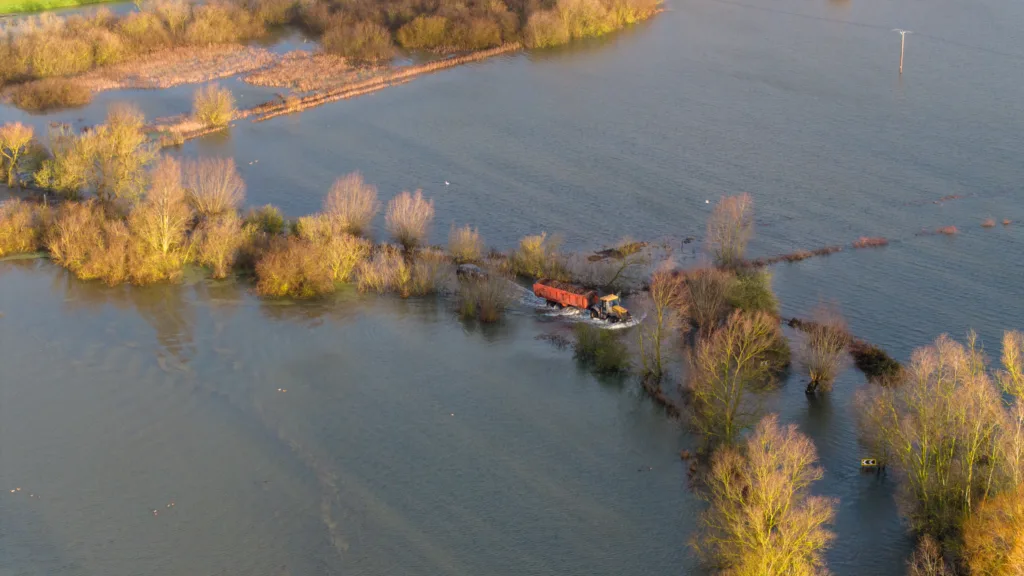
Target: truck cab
{"x": 610, "y": 307}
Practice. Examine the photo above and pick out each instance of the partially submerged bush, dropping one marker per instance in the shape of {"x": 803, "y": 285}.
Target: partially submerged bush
{"x": 988, "y": 223}
{"x": 706, "y": 293}
{"x": 823, "y": 348}
{"x": 408, "y": 218}
{"x": 465, "y": 244}
{"x": 267, "y": 219}
{"x": 214, "y": 185}
{"x": 22, "y": 227}
{"x": 90, "y": 245}
{"x": 602, "y": 349}
{"x": 538, "y": 257}
{"x": 213, "y": 105}
{"x": 485, "y": 298}
{"x": 50, "y": 94}
{"x": 158, "y": 226}
{"x": 390, "y": 271}
{"x": 15, "y": 139}
{"x": 351, "y": 204}
{"x": 424, "y": 32}
{"x": 870, "y": 242}
{"x": 218, "y": 241}
{"x": 291, "y": 267}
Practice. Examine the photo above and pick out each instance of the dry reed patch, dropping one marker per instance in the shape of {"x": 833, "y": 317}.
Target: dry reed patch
{"x": 988, "y": 223}
{"x": 310, "y": 71}
{"x": 948, "y": 230}
{"x": 177, "y": 66}
{"x": 870, "y": 242}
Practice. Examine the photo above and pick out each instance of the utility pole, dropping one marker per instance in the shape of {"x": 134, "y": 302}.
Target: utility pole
{"x": 903, "y": 42}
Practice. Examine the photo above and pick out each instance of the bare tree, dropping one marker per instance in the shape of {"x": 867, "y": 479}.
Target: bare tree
{"x": 1011, "y": 377}
{"x": 730, "y": 228}
{"x": 724, "y": 369}
{"x": 705, "y": 291}
{"x": 941, "y": 429}
{"x": 214, "y": 186}
{"x": 408, "y": 217}
{"x": 351, "y": 204}
{"x": 666, "y": 310}
{"x": 927, "y": 560}
{"x": 762, "y": 520}
{"x": 14, "y": 141}
{"x": 823, "y": 348}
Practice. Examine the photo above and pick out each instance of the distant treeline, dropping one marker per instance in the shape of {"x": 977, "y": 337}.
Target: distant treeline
{"x": 362, "y": 31}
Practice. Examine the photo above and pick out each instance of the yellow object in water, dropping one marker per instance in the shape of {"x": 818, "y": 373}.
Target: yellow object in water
{"x": 868, "y": 463}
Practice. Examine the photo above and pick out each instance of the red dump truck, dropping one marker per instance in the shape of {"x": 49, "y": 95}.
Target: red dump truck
{"x": 608, "y": 307}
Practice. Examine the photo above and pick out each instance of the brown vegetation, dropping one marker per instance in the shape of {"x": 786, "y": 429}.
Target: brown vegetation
{"x": 1007, "y": 222}
{"x": 213, "y": 105}
{"x": 762, "y": 520}
{"x": 573, "y": 19}
{"x": 485, "y": 298}
{"x": 361, "y": 42}
{"x": 730, "y": 228}
{"x": 705, "y": 291}
{"x": 218, "y": 241}
{"x": 408, "y": 218}
{"x": 666, "y": 313}
{"x": 214, "y": 186}
{"x": 15, "y": 139}
{"x": 927, "y": 560}
{"x": 725, "y": 368}
{"x": 994, "y": 536}
{"x": 22, "y": 227}
{"x": 988, "y": 223}
{"x": 948, "y": 230}
{"x": 110, "y": 160}
{"x": 49, "y": 94}
{"x": 351, "y": 205}
{"x": 465, "y": 244}
{"x": 602, "y": 350}
{"x": 823, "y": 348}
{"x": 870, "y": 242}
{"x": 176, "y": 66}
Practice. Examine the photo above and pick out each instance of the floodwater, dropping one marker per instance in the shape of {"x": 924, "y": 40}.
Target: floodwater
{"x": 403, "y": 441}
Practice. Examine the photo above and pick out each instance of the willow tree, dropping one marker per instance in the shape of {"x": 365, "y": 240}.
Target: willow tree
{"x": 762, "y": 520}
{"x": 667, "y": 308}
{"x": 15, "y": 139}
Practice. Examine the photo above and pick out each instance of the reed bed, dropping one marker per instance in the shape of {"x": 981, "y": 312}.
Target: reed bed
{"x": 870, "y": 242}
{"x": 398, "y": 76}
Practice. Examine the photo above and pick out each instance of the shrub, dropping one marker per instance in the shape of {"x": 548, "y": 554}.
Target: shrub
{"x": 292, "y": 267}
{"x": 431, "y": 271}
{"x": 545, "y": 29}
{"x": 730, "y": 228}
{"x": 267, "y": 219}
{"x": 50, "y": 94}
{"x": 988, "y": 223}
{"x": 144, "y": 32}
{"x": 538, "y": 257}
{"x": 994, "y": 535}
{"x": 343, "y": 254}
{"x": 214, "y": 186}
{"x": 875, "y": 363}
{"x": 751, "y": 291}
{"x": 485, "y": 298}
{"x": 22, "y": 227}
{"x": 70, "y": 170}
{"x": 88, "y": 244}
{"x": 218, "y": 241}
{"x": 823, "y": 348}
{"x": 216, "y": 24}
{"x": 213, "y": 105}
{"x": 602, "y": 349}
{"x": 666, "y": 311}
{"x": 465, "y": 244}
{"x": 122, "y": 154}
{"x": 377, "y": 274}
{"x": 762, "y": 518}
{"x": 362, "y": 42}
{"x": 351, "y": 204}
{"x": 15, "y": 140}
{"x": 948, "y": 230}
{"x": 423, "y": 32}
{"x": 927, "y": 559}
{"x": 408, "y": 218}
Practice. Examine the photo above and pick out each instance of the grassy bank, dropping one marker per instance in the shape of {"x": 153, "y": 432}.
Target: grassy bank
{"x": 29, "y": 6}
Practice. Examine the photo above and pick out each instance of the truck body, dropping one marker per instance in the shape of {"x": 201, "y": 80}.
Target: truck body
{"x": 557, "y": 293}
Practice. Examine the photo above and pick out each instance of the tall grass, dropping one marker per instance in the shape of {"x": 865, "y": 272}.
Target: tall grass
{"x": 214, "y": 185}
{"x": 408, "y": 219}
{"x": 351, "y": 204}
{"x": 213, "y": 105}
